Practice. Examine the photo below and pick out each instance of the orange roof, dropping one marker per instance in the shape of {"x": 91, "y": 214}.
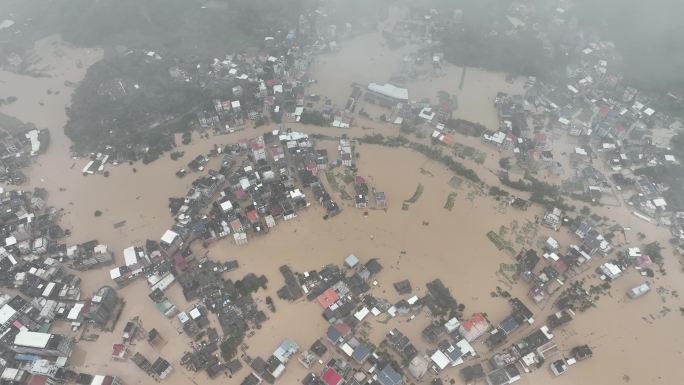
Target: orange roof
{"x": 343, "y": 329}
{"x": 328, "y": 298}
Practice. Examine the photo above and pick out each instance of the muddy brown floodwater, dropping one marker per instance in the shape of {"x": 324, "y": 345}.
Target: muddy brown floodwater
{"x": 633, "y": 341}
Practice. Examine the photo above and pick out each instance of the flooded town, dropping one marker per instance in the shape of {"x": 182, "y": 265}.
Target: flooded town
{"x": 345, "y": 201}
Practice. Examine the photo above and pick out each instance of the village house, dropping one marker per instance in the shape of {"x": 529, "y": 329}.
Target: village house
{"x": 474, "y": 327}
{"x": 503, "y": 376}
{"x": 258, "y": 149}
{"x": 386, "y": 95}
{"x": 104, "y": 306}
{"x": 389, "y": 376}
{"x": 552, "y": 219}
{"x": 610, "y": 270}
{"x": 89, "y": 255}
{"x": 171, "y": 242}
{"x": 43, "y": 344}
{"x": 346, "y": 153}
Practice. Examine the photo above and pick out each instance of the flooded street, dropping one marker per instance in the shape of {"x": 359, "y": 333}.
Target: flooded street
{"x": 422, "y": 243}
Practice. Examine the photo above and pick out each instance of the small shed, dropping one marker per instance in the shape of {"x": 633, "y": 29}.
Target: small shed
{"x": 351, "y": 261}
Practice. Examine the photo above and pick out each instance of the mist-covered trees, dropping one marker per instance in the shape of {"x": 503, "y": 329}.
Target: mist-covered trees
{"x": 122, "y": 97}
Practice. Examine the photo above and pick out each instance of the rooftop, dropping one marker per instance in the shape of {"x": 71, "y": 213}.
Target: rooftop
{"x": 389, "y": 90}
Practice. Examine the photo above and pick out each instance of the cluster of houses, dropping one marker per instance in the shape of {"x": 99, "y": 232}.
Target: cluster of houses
{"x": 270, "y": 82}
{"x": 32, "y": 355}
{"x": 547, "y": 273}
{"x": 34, "y": 266}
{"x": 271, "y": 369}
{"x": 18, "y": 146}
{"x": 345, "y": 355}
{"x": 618, "y": 129}
{"x": 207, "y": 291}
{"x": 249, "y": 197}
{"x": 259, "y": 183}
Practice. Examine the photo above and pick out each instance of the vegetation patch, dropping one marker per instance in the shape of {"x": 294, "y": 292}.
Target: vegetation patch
{"x": 466, "y": 152}
{"x": 332, "y": 181}
{"x": 441, "y": 303}
{"x": 416, "y": 195}
{"x": 455, "y": 182}
{"x": 451, "y": 200}
{"x": 500, "y": 242}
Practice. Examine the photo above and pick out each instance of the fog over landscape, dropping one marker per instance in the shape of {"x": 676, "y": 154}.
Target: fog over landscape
{"x": 341, "y": 192}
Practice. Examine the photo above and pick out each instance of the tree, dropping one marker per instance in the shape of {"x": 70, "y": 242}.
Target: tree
{"x": 407, "y": 128}
{"x": 314, "y": 118}
{"x": 653, "y": 250}
{"x": 260, "y": 122}
{"x": 677, "y": 145}
{"x": 277, "y": 117}
{"x": 443, "y": 96}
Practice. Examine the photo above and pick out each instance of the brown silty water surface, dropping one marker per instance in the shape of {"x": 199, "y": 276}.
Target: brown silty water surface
{"x": 633, "y": 341}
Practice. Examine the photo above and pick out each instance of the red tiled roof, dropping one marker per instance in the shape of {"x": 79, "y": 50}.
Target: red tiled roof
{"x": 476, "y": 319}
{"x": 117, "y": 349}
{"x": 561, "y": 266}
{"x": 235, "y": 224}
{"x": 328, "y": 298}
{"x": 312, "y": 168}
{"x": 448, "y": 140}
{"x": 37, "y": 380}
{"x": 180, "y": 263}
{"x": 252, "y": 215}
{"x": 331, "y": 377}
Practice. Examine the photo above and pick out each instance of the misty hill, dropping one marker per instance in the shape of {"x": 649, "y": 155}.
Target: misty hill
{"x": 130, "y": 97}
{"x": 648, "y": 33}
{"x": 123, "y": 98}
{"x": 178, "y": 27}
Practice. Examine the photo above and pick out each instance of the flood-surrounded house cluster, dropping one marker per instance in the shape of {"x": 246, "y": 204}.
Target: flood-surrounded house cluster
{"x": 19, "y": 144}
{"x": 346, "y": 355}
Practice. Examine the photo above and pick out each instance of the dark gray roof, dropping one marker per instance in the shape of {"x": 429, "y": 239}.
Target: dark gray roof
{"x": 389, "y": 376}
{"x": 509, "y": 324}
{"x": 333, "y": 335}
{"x": 361, "y": 353}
